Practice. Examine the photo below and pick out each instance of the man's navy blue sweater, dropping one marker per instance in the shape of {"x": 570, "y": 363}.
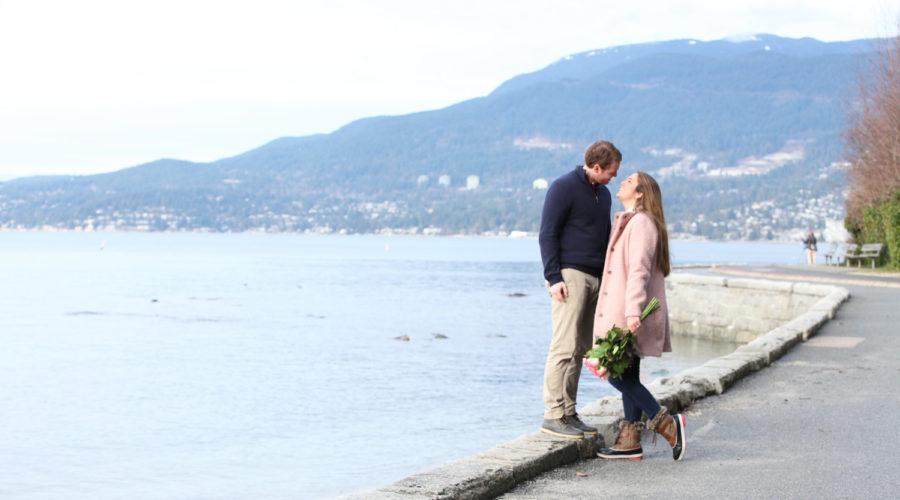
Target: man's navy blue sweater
{"x": 575, "y": 226}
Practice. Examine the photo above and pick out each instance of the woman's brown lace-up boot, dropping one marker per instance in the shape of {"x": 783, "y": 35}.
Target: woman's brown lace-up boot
{"x": 628, "y": 444}
{"x": 671, "y": 428}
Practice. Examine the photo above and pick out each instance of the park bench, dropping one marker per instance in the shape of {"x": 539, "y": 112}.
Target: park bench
{"x": 840, "y": 253}
{"x": 831, "y": 254}
{"x": 867, "y": 251}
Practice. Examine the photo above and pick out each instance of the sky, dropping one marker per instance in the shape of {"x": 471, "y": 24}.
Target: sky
{"x": 94, "y": 86}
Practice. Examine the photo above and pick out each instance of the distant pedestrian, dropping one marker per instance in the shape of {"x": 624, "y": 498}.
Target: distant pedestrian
{"x": 810, "y": 243}
{"x": 637, "y": 262}
{"x": 574, "y": 232}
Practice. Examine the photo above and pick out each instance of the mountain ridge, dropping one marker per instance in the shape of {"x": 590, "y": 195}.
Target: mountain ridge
{"x": 694, "y": 117}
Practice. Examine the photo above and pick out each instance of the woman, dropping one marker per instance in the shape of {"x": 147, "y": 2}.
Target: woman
{"x": 810, "y": 243}
{"x": 637, "y": 261}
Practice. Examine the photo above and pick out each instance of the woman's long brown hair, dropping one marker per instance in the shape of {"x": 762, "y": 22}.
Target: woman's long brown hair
{"x": 651, "y": 204}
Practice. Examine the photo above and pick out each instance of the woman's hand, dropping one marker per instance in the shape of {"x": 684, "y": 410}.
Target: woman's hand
{"x": 633, "y": 322}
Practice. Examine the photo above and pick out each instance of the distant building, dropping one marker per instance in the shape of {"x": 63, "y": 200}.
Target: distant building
{"x": 422, "y": 180}
{"x": 472, "y": 182}
{"x": 444, "y": 180}
{"x": 539, "y": 184}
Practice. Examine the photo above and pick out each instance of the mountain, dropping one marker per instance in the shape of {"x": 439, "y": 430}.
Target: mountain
{"x": 744, "y": 136}
{"x": 586, "y": 64}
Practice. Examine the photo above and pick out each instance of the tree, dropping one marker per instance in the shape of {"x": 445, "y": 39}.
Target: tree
{"x": 873, "y": 151}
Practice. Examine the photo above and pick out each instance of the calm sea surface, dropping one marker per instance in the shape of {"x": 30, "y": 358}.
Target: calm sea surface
{"x": 266, "y": 366}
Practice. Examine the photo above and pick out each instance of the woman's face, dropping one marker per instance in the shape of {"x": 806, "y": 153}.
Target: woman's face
{"x": 628, "y": 194}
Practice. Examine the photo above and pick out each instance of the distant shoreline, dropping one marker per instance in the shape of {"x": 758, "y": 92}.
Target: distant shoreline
{"x": 509, "y": 235}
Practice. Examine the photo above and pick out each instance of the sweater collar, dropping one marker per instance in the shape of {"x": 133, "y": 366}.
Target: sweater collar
{"x": 587, "y": 180}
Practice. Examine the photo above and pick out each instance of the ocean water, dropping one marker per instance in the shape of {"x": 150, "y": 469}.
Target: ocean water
{"x": 150, "y": 365}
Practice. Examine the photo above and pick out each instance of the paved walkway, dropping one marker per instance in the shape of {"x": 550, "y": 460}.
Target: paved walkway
{"x": 839, "y": 275}
{"x": 820, "y": 422}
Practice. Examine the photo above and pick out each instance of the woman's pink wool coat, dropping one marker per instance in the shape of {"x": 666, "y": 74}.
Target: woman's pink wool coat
{"x": 630, "y": 279}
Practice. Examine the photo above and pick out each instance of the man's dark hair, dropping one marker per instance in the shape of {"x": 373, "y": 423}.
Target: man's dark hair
{"x": 602, "y": 153}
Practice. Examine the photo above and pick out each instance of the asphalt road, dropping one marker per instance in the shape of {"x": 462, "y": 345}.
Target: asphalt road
{"x": 821, "y": 422}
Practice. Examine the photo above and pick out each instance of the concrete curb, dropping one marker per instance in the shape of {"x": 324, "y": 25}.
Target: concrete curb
{"x": 493, "y": 472}
{"x": 490, "y": 473}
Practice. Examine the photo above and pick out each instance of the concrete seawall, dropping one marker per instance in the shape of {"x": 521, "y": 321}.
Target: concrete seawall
{"x": 770, "y": 316}
{"x": 737, "y": 310}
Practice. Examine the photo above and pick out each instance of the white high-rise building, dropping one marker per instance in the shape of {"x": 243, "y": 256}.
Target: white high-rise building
{"x": 444, "y": 180}
{"x": 539, "y": 184}
{"x": 472, "y": 182}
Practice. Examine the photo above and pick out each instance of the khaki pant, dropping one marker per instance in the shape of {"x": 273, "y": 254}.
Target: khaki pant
{"x": 573, "y": 330}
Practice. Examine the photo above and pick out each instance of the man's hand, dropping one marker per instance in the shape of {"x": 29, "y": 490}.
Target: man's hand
{"x": 559, "y": 291}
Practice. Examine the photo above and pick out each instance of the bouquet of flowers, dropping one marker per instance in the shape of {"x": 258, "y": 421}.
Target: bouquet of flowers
{"x": 613, "y": 353}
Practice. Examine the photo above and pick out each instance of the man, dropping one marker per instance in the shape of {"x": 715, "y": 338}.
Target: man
{"x": 575, "y": 226}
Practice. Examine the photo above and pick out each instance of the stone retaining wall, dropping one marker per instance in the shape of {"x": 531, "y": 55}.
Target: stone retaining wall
{"x": 772, "y": 316}
{"x": 737, "y": 310}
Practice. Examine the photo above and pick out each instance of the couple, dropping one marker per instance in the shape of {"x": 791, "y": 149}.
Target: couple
{"x": 600, "y": 274}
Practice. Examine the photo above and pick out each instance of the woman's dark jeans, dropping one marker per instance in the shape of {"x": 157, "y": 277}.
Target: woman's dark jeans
{"x": 635, "y": 397}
